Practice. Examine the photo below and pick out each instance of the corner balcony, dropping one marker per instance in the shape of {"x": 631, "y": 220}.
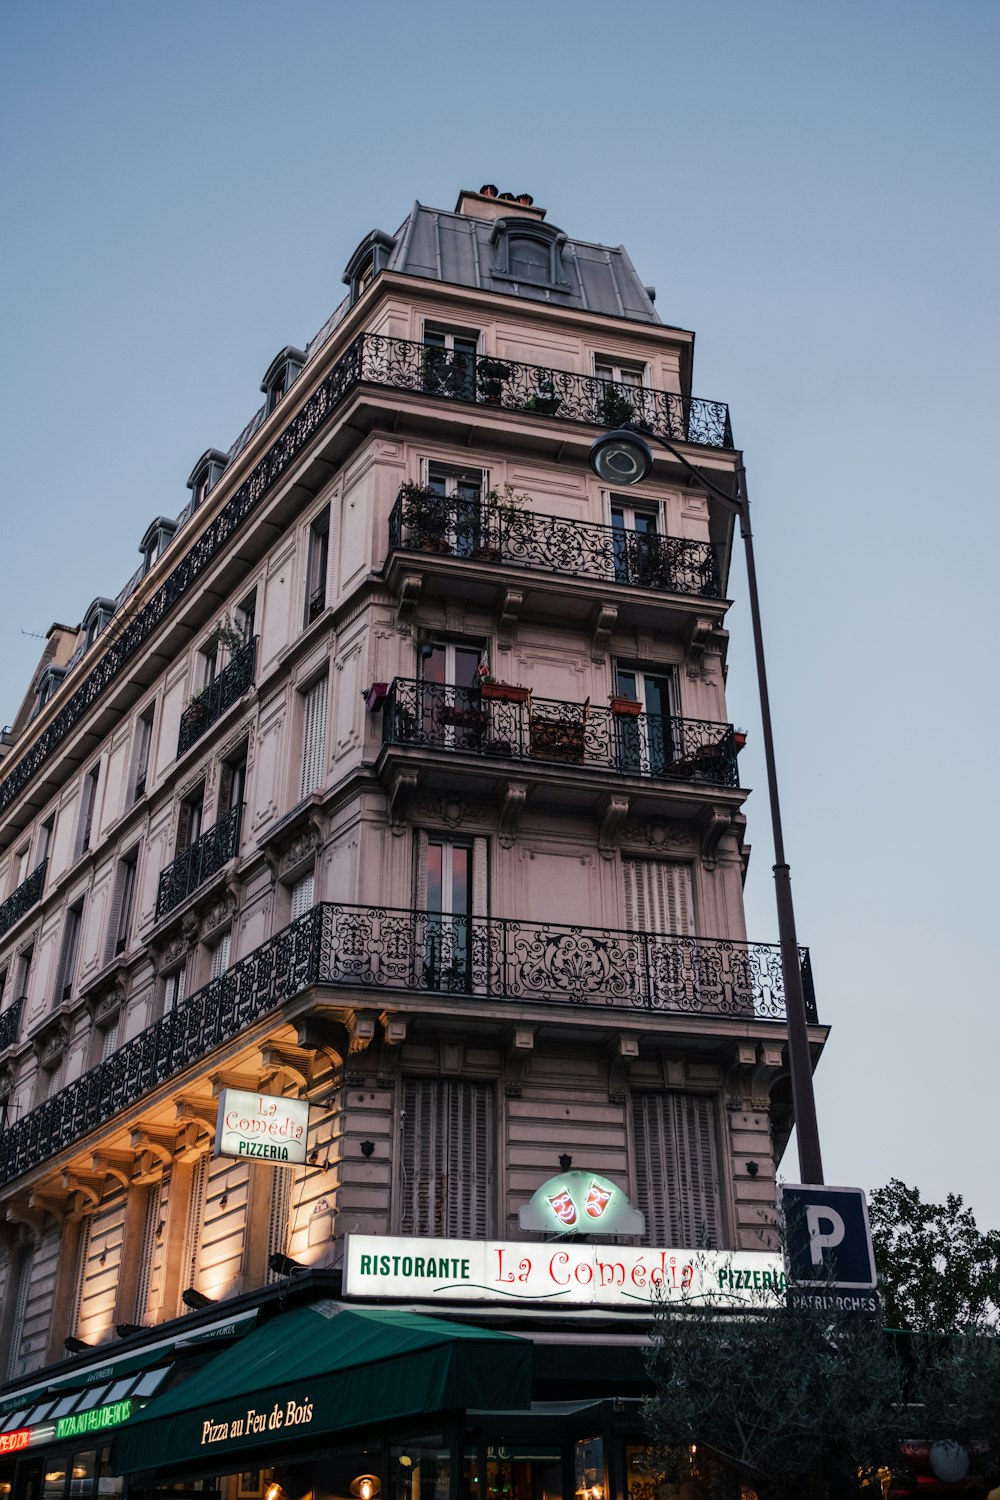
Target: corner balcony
{"x": 417, "y": 954}
{"x": 9, "y": 1023}
{"x": 423, "y": 522}
{"x": 27, "y": 895}
{"x": 198, "y": 863}
{"x": 506, "y": 724}
{"x": 235, "y": 679}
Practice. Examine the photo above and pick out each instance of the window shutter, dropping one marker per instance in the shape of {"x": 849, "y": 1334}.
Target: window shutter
{"x": 677, "y": 1174}
{"x": 109, "y": 1040}
{"x": 82, "y": 1259}
{"x": 220, "y": 955}
{"x": 225, "y": 789}
{"x": 313, "y": 738}
{"x": 184, "y": 826}
{"x": 447, "y": 1158}
{"x": 302, "y": 895}
{"x": 173, "y": 992}
{"x": 150, "y": 1223}
{"x": 658, "y": 896}
{"x": 20, "y": 1310}
{"x": 195, "y": 1214}
{"x": 277, "y": 1226}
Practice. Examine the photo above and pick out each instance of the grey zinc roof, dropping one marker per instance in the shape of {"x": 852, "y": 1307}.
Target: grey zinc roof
{"x": 457, "y": 248}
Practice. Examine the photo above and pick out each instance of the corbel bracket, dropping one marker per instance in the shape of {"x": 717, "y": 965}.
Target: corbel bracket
{"x": 614, "y": 811}
{"x": 698, "y": 638}
{"x": 515, "y": 794}
{"x": 408, "y": 597}
{"x": 404, "y": 784}
{"x": 602, "y": 623}
{"x": 510, "y": 610}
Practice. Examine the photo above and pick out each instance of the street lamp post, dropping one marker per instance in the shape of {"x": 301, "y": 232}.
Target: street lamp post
{"x": 622, "y": 457}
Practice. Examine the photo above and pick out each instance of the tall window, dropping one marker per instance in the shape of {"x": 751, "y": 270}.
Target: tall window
{"x": 634, "y": 546}
{"x": 246, "y": 615}
{"x": 461, "y": 510}
{"x": 448, "y": 362}
{"x": 43, "y": 842}
{"x": 446, "y": 1186}
{"x": 620, "y": 371}
{"x": 313, "y": 738}
{"x": 658, "y": 897}
{"x": 189, "y": 822}
{"x": 21, "y": 1277}
{"x": 677, "y": 1169}
{"x": 174, "y": 989}
{"x": 122, "y": 904}
{"x": 24, "y": 959}
{"x": 451, "y": 889}
{"x": 140, "y": 754}
{"x": 66, "y": 974}
{"x": 316, "y": 566}
{"x": 645, "y": 744}
{"x": 232, "y": 781}
{"x": 220, "y": 955}
{"x": 88, "y": 803}
{"x": 302, "y": 896}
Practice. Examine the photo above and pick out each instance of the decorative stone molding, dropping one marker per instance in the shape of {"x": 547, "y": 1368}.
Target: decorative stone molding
{"x": 404, "y": 784}
{"x": 658, "y": 835}
{"x": 395, "y": 1028}
{"x": 282, "y": 1061}
{"x": 154, "y": 1140}
{"x": 713, "y": 824}
{"x": 614, "y": 811}
{"x": 752, "y": 1075}
{"x": 698, "y": 639}
{"x": 602, "y": 623}
{"x": 49, "y": 1043}
{"x": 520, "y": 1043}
{"x": 510, "y": 610}
{"x": 409, "y": 590}
{"x": 219, "y": 914}
{"x": 108, "y": 1003}
{"x": 515, "y": 794}
{"x": 119, "y": 1165}
{"x": 89, "y": 1185}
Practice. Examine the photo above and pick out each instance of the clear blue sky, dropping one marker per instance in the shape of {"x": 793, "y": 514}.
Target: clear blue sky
{"x": 810, "y": 187}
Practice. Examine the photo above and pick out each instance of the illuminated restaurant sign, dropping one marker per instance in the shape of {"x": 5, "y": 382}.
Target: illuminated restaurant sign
{"x": 95, "y": 1420}
{"x": 13, "y": 1442}
{"x": 262, "y": 1127}
{"x": 581, "y": 1203}
{"x": 596, "y": 1275}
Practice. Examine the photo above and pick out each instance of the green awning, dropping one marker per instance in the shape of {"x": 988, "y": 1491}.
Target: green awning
{"x": 324, "y": 1369}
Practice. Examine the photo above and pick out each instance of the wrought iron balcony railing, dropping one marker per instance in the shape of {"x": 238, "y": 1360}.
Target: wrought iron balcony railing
{"x": 403, "y": 950}
{"x": 542, "y": 390}
{"x": 422, "y": 521}
{"x": 470, "y": 721}
{"x": 222, "y": 692}
{"x": 9, "y": 1022}
{"x": 396, "y": 363}
{"x": 24, "y": 898}
{"x": 199, "y": 862}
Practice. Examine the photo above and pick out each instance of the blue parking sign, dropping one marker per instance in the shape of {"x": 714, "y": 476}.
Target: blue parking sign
{"x": 828, "y": 1241}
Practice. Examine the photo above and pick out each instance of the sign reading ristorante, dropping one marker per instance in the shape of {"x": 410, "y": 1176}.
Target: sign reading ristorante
{"x": 499, "y": 1271}
{"x": 262, "y": 1127}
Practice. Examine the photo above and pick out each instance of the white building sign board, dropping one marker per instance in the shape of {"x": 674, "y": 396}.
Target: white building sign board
{"x": 446, "y": 1270}
{"x": 262, "y": 1127}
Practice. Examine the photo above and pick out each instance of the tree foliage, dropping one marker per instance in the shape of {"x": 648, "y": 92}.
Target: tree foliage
{"x": 937, "y": 1270}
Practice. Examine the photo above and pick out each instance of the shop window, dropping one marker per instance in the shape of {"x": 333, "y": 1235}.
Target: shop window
{"x": 420, "y": 1470}
{"x": 677, "y": 1169}
{"x": 523, "y": 1471}
{"x": 446, "y": 1186}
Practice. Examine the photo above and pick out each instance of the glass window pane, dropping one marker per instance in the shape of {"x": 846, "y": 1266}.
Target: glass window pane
{"x": 434, "y": 861}
{"x": 420, "y": 1470}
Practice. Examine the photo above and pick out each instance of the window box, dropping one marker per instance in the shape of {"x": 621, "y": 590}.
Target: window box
{"x": 627, "y": 708}
{"x": 375, "y": 696}
{"x": 505, "y": 692}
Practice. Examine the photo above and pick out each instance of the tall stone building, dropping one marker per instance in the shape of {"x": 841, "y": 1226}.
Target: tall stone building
{"x": 398, "y": 780}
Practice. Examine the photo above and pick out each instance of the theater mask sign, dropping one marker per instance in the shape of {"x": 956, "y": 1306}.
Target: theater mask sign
{"x": 262, "y": 1127}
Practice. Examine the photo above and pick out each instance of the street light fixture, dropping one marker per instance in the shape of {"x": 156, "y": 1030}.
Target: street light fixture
{"x": 623, "y": 457}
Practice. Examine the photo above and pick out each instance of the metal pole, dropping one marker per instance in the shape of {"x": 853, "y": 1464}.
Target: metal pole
{"x": 799, "y": 1061}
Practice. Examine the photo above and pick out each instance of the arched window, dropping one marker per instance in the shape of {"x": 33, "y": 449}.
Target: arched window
{"x": 529, "y": 252}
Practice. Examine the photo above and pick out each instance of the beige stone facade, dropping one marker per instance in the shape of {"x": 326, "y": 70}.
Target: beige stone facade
{"x": 477, "y": 934}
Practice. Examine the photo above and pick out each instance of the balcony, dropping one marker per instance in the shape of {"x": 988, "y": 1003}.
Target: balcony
{"x": 414, "y": 952}
{"x": 198, "y": 863}
{"x": 485, "y": 722}
{"x": 222, "y": 692}
{"x": 24, "y": 898}
{"x": 421, "y": 521}
{"x": 540, "y": 390}
{"x": 9, "y": 1022}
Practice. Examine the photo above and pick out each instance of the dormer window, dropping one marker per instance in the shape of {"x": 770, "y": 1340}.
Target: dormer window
{"x": 530, "y": 252}
{"x": 159, "y": 535}
{"x": 371, "y": 257}
{"x": 283, "y": 370}
{"x": 205, "y": 474}
{"x": 46, "y": 685}
{"x": 95, "y": 619}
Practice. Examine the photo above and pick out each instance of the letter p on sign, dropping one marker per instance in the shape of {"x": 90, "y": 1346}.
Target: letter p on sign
{"x": 828, "y": 1242}
{"x": 819, "y": 1241}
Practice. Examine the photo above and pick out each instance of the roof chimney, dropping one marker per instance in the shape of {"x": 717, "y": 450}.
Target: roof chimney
{"x": 489, "y": 204}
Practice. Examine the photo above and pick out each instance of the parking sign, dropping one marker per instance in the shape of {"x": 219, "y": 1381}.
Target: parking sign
{"x": 828, "y": 1241}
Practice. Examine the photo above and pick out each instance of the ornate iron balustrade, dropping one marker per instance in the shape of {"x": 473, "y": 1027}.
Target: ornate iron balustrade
{"x": 543, "y": 391}
{"x": 399, "y": 949}
{"x": 490, "y": 533}
{"x": 9, "y": 1023}
{"x": 222, "y": 692}
{"x": 397, "y": 363}
{"x": 198, "y": 862}
{"x": 429, "y": 715}
{"x": 24, "y": 898}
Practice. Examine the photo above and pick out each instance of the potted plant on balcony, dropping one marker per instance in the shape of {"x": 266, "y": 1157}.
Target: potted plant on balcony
{"x": 491, "y": 374}
{"x": 739, "y": 739}
{"x": 544, "y": 400}
{"x": 613, "y": 408}
{"x": 197, "y": 705}
{"x": 500, "y": 510}
{"x": 626, "y": 708}
{"x": 426, "y": 517}
{"x": 226, "y": 634}
{"x": 500, "y": 692}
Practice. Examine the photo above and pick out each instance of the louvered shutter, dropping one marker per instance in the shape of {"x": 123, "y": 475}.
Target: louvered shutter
{"x": 195, "y": 1214}
{"x": 147, "y": 1250}
{"x": 173, "y": 992}
{"x": 82, "y": 1260}
{"x": 24, "y": 1270}
{"x": 313, "y": 738}
{"x": 220, "y": 955}
{"x": 677, "y": 1173}
{"x": 109, "y": 1040}
{"x": 302, "y": 895}
{"x": 447, "y": 1158}
{"x": 277, "y": 1225}
{"x": 658, "y": 896}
